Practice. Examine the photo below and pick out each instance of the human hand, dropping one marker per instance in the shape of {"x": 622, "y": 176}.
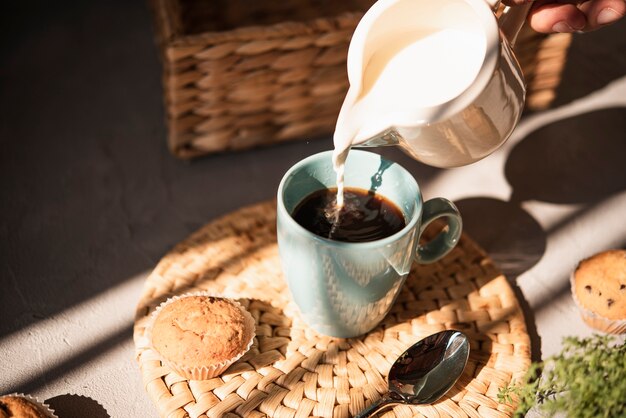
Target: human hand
{"x": 548, "y": 16}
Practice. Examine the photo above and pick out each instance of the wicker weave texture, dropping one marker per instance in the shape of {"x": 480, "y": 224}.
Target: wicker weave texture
{"x": 291, "y": 371}
{"x": 244, "y": 73}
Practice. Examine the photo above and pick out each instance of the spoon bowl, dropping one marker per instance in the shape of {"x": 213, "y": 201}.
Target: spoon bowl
{"x": 424, "y": 372}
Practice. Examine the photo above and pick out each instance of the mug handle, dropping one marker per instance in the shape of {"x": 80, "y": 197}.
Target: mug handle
{"x": 446, "y": 240}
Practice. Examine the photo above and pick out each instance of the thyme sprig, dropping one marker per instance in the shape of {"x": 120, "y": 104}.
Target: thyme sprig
{"x": 587, "y": 379}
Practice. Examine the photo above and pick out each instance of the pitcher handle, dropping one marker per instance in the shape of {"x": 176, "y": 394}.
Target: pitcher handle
{"x": 494, "y": 4}
{"x": 511, "y": 21}
{"x": 447, "y": 239}
{"x": 512, "y": 18}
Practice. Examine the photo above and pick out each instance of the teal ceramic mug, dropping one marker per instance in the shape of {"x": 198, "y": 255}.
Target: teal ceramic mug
{"x": 345, "y": 289}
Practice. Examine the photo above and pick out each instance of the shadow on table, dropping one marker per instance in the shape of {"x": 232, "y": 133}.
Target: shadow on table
{"x": 579, "y": 159}
{"x": 514, "y": 241}
{"x": 77, "y": 406}
{"x": 72, "y": 362}
{"x": 576, "y": 160}
{"x": 592, "y": 63}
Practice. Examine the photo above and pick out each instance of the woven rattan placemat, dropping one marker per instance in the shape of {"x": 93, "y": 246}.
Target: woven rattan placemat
{"x": 291, "y": 371}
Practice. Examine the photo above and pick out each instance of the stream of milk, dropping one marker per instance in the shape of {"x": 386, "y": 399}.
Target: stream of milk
{"x": 416, "y": 70}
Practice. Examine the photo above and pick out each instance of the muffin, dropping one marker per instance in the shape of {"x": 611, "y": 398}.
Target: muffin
{"x": 599, "y": 290}
{"x": 199, "y": 336}
{"x": 23, "y": 406}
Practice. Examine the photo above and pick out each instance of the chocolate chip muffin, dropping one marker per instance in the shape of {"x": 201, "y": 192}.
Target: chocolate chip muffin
{"x": 599, "y": 290}
{"x": 199, "y": 336}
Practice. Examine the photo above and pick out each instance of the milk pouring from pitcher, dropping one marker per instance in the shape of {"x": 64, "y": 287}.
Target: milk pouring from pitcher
{"x": 437, "y": 78}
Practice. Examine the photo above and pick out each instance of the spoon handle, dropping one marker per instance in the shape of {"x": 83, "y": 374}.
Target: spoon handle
{"x": 377, "y": 406}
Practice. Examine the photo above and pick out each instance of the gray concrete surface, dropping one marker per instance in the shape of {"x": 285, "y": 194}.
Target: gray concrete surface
{"x": 91, "y": 198}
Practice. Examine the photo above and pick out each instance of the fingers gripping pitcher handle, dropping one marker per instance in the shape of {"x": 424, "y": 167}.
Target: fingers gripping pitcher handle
{"x": 447, "y": 239}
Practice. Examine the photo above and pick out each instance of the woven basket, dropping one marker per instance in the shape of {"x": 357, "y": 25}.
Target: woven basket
{"x": 244, "y": 73}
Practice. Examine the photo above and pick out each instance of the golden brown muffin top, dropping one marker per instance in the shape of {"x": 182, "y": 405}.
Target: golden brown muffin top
{"x": 18, "y": 407}
{"x": 600, "y": 284}
{"x": 200, "y": 331}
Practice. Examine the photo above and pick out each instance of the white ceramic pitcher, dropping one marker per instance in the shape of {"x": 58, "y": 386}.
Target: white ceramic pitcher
{"x": 467, "y": 127}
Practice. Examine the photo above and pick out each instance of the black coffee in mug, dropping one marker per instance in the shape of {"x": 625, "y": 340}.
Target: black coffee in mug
{"x": 365, "y": 215}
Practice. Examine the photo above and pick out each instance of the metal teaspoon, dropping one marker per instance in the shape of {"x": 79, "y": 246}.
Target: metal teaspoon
{"x": 424, "y": 372}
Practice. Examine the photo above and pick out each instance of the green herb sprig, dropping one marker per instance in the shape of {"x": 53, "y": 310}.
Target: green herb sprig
{"x": 586, "y": 380}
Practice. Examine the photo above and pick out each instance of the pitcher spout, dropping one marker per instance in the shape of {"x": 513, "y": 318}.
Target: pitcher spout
{"x": 385, "y": 138}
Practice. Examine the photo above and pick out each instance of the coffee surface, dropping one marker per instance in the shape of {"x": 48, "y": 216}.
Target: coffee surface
{"x": 364, "y": 216}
